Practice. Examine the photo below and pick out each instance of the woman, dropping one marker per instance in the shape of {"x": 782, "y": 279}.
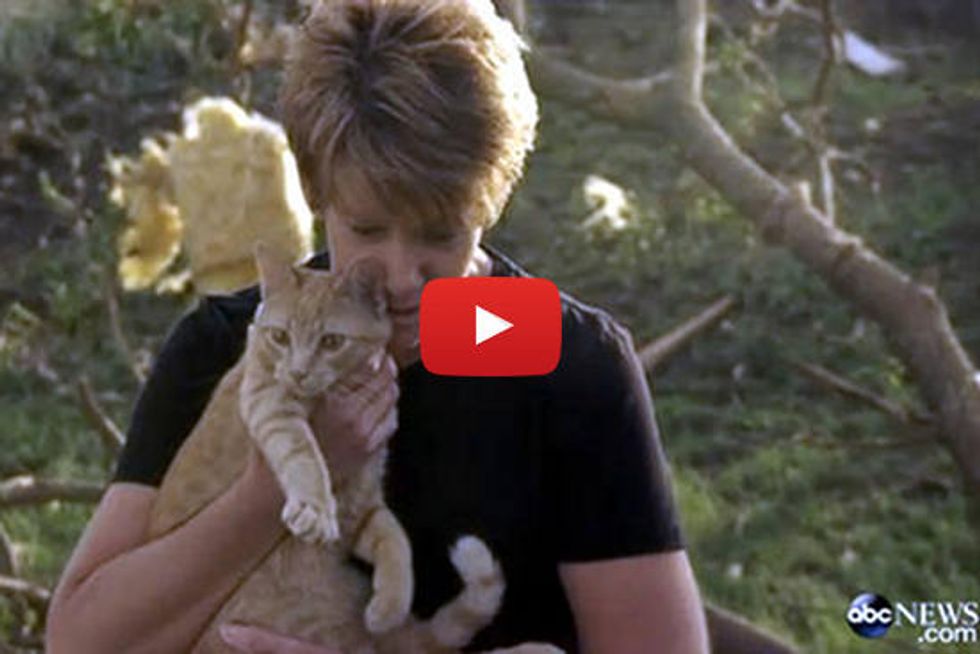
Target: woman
{"x": 411, "y": 121}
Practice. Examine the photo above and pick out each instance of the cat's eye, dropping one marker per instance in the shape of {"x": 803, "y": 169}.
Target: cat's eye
{"x": 279, "y": 336}
{"x": 331, "y": 342}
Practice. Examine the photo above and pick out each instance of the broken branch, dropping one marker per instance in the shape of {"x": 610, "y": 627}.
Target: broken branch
{"x": 115, "y": 325}
{"x": 112, "y": 436}
{"x": 656, "y": 353}
{"x": 27, "y": 489}
{"x": 8, "y": 556}
{"x": 36, "y": 595}
{"x": 733, "y": 634}
{"x": 911, "y": 314}
{"x": 848, "y": 388}
{"x": 831, "y": 35}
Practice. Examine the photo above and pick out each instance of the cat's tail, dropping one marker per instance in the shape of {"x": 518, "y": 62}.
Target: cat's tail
{"x": 456, "y": 623}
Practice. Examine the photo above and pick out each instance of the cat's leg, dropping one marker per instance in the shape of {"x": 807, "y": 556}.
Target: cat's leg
{"x": 383, "y": 542}
{"x": 457, "y": 622}
{"x": 279, "y": 427}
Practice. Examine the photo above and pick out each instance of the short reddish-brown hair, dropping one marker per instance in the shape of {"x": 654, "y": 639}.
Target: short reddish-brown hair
{"x": 429, "y": 99}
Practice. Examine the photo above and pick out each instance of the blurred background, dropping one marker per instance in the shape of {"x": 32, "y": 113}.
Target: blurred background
{"x": 802, "y": 467}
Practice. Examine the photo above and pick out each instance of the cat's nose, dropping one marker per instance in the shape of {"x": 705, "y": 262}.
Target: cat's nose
{"x": 298, "y": 376}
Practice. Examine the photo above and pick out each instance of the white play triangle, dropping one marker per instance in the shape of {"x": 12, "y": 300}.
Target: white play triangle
{"x": 489, "y": 325}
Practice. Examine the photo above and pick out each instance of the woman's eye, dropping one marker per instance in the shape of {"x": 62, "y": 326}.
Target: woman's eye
{"x": 331, "y": 342}
{"x": 367, "y": 230}
{"x": 279, "y": 336}
{"x": 440, "y": 237}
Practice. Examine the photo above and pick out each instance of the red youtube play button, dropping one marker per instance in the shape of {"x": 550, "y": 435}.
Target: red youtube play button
{"x": 490, "y": 326}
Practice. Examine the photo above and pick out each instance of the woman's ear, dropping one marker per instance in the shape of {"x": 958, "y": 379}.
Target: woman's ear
{"x": 364, "y": 280}
{"x": 276, "y": 272}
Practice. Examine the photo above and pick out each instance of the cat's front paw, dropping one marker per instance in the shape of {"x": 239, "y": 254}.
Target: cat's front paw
{"x": 310, "y": 523}
{"x": 386, "y": 611}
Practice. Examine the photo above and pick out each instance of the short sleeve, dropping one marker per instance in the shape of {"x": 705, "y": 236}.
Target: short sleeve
{"x": 608, "y": 476}
{"x": 203, "y": 345}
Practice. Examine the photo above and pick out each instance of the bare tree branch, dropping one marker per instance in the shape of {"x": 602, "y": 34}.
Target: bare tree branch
{"x": 19, "y": 605}
{"x": 830, "y": 33}
{"x": 831, "y": 57}
{"x": 848, "y": 388}
{"x": 777, "y": 10}
{"x": 629, "y": 101}
{"x": 241, "y": 35}
{"x": 8, "y": 556}
{"x": 910, "y": 314}
{"x": 806, "y": 13}
{"x": 690, "y": 70}
{"x": 27, "y": 489}
{"x": 240, "y": 71}
{"x": 115, "y": 324}
{"x": 825, "y": 174}
{"x": 733, "y": 634}
{"x": 659, "y": 351}
{"x": 36, "y": 595}
{"x": 112, "y": 436}
{"x": 811, "y": 133}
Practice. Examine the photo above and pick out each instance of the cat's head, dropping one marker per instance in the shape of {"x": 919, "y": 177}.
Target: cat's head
{"x": 320, "y": 326}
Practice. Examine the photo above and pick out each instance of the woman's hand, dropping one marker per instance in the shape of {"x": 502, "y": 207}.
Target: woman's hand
{"x": 254, "y": 640}
{"x": 357, "y": 415}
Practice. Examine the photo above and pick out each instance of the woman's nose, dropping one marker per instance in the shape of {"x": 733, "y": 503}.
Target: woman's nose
{"x": 405, "y": 277}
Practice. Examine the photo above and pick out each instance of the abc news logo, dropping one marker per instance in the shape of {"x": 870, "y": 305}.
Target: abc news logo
{"x": 871, "y": 615}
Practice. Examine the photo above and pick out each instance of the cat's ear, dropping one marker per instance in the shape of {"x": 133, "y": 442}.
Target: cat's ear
{"x": 275, "y": 271}
{"x": 364, "y": 279}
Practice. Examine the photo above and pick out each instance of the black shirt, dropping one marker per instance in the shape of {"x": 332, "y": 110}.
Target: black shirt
{"x": 566, "y": 467}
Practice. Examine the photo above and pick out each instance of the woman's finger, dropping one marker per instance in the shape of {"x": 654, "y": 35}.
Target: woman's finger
{"x": 348, "y": 424}
{"x": 254, "y": 640}
{"x": 365, "y": 377}
{"x": 370, "y": 402}
{"x": 374, "y": 408}
{"x": 372, "y": 392}
{"x": 383, "y": 430}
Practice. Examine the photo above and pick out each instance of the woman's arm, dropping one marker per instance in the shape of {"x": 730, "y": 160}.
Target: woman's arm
{"x": 121, "y": 593}
{"x": 636, "y": 605}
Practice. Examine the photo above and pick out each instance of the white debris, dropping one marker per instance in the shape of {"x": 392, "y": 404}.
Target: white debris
{"x": 872, "y": 125}
{"x": 870, "y": 59}
{"x": 612, "y": 206}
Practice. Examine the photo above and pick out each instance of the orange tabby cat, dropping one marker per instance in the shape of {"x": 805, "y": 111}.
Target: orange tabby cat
{"x": 312, "y": 329}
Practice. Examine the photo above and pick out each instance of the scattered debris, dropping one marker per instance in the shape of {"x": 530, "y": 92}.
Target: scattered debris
{"x": 227, "y": 181}
{"x": 612, "y": 206}
{"x": 869, "y": 58}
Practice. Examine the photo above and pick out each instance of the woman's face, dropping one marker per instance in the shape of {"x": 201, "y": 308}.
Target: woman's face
{"x": 413, "y": 252}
